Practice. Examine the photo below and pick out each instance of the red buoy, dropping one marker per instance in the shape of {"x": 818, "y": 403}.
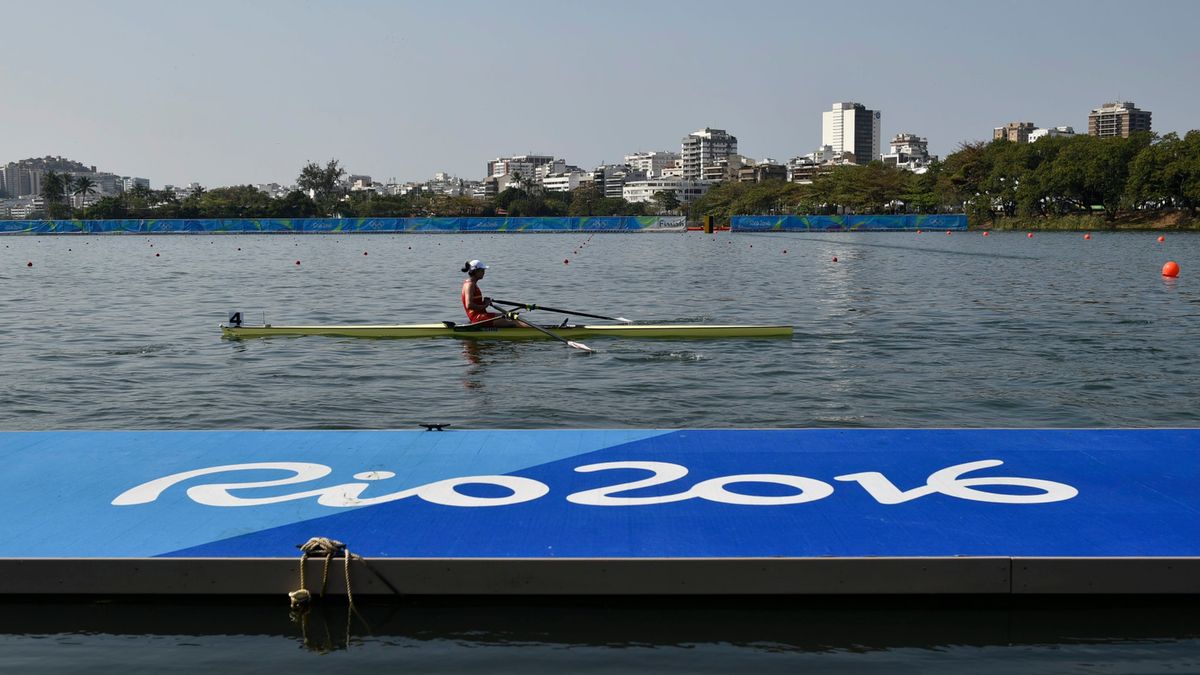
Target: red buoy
{"x": 566, "y": 261}
{"x": 1161, "y": 239}
{"x": 364, "y": 252}
{"x": 1029, "y": 235}
{"x": 1170, "y": 269}
{"x": 1087, "y": 236}
{"x": 297, "y": 262}
{"x": 29, "y": 264}
{"x": 835, "y": 258}
{"x": 986, "y": 233}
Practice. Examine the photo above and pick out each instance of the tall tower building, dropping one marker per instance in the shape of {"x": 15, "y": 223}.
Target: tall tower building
{"x": 851, "y": 127}
{"x": 1117, "y": 119}
{"x": 703, "y": 149}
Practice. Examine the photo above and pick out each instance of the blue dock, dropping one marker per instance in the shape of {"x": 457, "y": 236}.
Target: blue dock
{"x": 632, "y": 512}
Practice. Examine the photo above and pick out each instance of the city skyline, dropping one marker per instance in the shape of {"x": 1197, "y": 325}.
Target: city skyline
{"x": 404, "y": 91}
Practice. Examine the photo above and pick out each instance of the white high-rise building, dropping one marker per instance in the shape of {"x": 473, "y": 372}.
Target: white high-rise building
{"x": 851, "y": 127}
{"x": 524, "y": 165}
{"x": 652, "y": 163}
{"x": 703, "y": 149}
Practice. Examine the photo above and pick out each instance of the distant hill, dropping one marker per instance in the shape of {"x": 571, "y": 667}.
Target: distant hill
{"x": 59, "y": 164}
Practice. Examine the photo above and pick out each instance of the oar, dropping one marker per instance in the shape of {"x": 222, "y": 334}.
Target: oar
{"x": 530, "y": 308}
{"x": 569, "y": 343}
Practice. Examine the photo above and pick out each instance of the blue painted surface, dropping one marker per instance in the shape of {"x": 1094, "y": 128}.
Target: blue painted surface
{"x": 1115, "y": 493}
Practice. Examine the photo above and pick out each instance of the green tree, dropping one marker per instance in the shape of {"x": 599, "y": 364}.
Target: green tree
{"x": 666, "y": 201}
{"x": 323, "y": 182}
{"x": 585, "y": 200}
{"x": 55, "y": 187}
{"x": 1182, "y": 173}
{"x": 83, "y": 187}
{"x": 296, "y": 204}
{"x": 108, "y": 208}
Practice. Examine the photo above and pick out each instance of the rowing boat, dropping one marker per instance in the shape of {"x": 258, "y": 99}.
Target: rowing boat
{"x": 448, "y": 329}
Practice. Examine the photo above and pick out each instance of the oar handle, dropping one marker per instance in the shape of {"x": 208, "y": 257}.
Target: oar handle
{"x": 530, "y": 307}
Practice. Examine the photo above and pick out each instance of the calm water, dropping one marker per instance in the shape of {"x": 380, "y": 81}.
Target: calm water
{"x": 929, "y": 330}
{"x": 909, "y": 330}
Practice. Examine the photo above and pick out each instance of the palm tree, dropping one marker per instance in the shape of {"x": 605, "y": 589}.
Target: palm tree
{"x": 52, "y": 187}
{"x": 84, "y": 186}
{"x": 54, "y": 190}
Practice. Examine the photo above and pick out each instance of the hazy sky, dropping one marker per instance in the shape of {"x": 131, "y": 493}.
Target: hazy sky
{"x": 225, "y": 92}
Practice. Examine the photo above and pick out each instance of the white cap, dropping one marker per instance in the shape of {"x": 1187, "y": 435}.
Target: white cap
{"x": 476, "y": 265}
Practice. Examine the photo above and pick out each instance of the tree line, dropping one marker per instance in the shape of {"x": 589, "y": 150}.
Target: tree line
{"x": 1050, "y": 178}
{"x": 320, "y": 193}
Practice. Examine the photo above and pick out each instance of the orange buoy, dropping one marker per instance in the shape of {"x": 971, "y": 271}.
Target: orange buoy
{"x": 1161, "y": 239}
{"x": 1170, "y": 269}
{"x": 1087, "y": 236}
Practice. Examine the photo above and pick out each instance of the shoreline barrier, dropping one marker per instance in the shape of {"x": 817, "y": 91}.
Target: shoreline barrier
{"x": 1003, "y": 512}
{"x": 849, "y": 223}
{"x": 498, "y": 225}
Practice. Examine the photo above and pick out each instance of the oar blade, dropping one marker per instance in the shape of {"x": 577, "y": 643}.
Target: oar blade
{"x": 621, "y": 319}
{"x": 580, "y": 346}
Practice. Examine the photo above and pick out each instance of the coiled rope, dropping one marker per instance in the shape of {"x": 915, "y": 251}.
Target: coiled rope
{"x": 327, "y": 548}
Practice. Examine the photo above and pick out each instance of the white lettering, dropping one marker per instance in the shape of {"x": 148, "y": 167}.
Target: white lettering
{"x": 948, "y": 482}
{"x": 714, "y": 489}
{"x": 150, "y": 491}
{"x": 663, "y": 472}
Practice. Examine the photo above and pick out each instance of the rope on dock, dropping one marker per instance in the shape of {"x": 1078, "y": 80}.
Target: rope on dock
{"x": 329, "y": 549}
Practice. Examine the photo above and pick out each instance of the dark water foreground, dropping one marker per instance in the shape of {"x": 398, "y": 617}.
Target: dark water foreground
{"x": 1110, "y": 635}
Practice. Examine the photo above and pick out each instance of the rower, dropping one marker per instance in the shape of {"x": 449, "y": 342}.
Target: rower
{"x": 474, "y": 301}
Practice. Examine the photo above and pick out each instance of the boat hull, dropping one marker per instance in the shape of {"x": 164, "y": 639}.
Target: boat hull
{"x": 672, "y": 331}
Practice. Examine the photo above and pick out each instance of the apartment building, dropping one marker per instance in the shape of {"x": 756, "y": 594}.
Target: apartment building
{"x": 1050, "y": 132}
{"x": 525, "y": 165}
{"x": 685, "y": 190}
{"x": 852, "y": 127}
{"x": 1014, "y": 132}
{"x": 701, "y": 150}
{"x": 909, "y": 152}
{"x": 1117, "y": 119}
{"x": 653, "y": 164}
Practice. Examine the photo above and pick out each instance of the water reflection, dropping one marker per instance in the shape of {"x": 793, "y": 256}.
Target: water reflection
{"x": 481, "y": 356}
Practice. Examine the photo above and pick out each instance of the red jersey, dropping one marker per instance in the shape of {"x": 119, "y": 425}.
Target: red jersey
{"x": 472, "y": 295}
